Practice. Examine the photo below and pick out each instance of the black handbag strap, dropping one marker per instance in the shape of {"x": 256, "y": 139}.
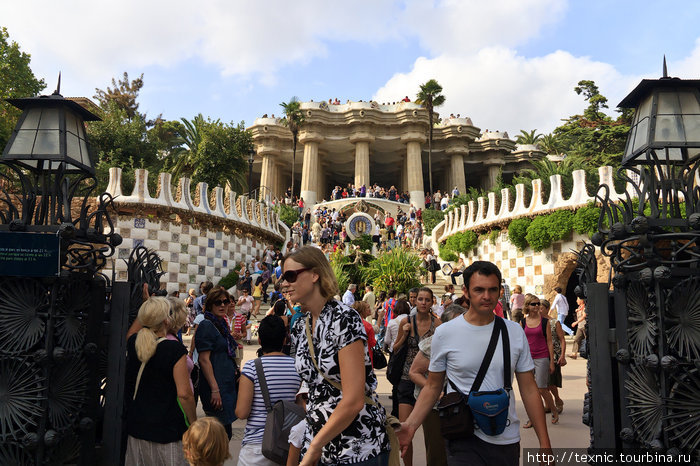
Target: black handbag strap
{"x": 499, "y": 326}
{"x": 263, "y": 384}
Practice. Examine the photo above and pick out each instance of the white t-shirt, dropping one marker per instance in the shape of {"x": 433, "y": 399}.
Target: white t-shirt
{"x": 560, "y": 304}
{"x": 458, "y": 349}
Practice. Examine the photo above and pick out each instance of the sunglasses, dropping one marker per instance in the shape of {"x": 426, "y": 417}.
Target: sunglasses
{"x": 219, "y": 302}
{"x": 534, "y": 304}
{"x": 290, "y": 276}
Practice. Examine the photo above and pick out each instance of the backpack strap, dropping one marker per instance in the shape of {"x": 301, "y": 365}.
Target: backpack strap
{"x": 543, "y": 324}
{"x": 507, "y": 383}
{"x": 143, "y": 366}
{"x": 263, "y": 384}
{"x": 487, "y": 357}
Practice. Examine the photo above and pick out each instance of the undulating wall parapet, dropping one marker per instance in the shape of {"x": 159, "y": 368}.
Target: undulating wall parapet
{"x": 238, "y": 212}
{"x": 489, "y": 212}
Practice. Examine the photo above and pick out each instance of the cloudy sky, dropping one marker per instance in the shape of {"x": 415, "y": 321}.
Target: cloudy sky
{"x": 507, "y": 64}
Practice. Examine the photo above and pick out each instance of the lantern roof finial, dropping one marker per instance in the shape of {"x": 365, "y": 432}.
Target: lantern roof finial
{"x": 665, "y": 69}
{"x": 58, "y": 86}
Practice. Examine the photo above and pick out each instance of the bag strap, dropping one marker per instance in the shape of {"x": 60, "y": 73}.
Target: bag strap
{"x": 487, "y": 357}
{"x": 143, "y": 365}
{"x": 263, "y": 384}
{"x": 415, "y": 330}
{"x": 312, "y": 352}
{"x": 507, "y": 383}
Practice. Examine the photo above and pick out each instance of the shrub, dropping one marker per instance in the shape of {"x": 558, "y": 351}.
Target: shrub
{"x": 229, "y": 280}
{"x": 545, "y": 229}
{"x": 447, "y": 254}
{"x": 586, "y": 220}
{"x": 493, "y": 235}
{"x": 517, "y": 231}
{"x": 462, "y": 242}
{"x": 364, "y": 241}
{"x": 431, "y": 218}
{"x": 288, "y": 214}
{"x": 397, "y": 269}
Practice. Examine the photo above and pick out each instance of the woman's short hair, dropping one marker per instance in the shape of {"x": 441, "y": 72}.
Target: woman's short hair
{"x": 528, "y": 299}
{"x": 361, "y": 307}
{"x": 205, "y": 443}
{"x": 154, "y": 313}
{"x": 215, "y": 295}
{"x": 313, "y": 259}
{"x": 178, "y": 314}
{"x": 272, "y": 333}
{"x": 401, "y": 307}
{"x": 452, "y": 311}
{"x": 517, "y": 289}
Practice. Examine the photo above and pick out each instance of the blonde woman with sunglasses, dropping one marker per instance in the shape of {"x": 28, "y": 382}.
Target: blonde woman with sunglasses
{"x": 331, "y": 356}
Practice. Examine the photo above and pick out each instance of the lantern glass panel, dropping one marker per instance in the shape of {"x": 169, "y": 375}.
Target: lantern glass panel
{"x": 669, "y": 128}
{"x": 72, "y": 146}
{"x": 644, "y": 110}
{"x": 23, "y": 143}
{"x": 84, "y": 157}
{"x": 71, "y": 123}
{"x": 668, "y": 103}
{"x": 641, "y": 134}
{"x": 689, "y": 103}
{"x": 692, "y": 127}
{"x": 49, "y": 118}
{"x": 31, "y": 119}
{"x": 46, "y": 143}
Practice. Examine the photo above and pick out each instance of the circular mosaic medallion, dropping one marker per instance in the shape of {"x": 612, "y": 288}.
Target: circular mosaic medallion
{"x": 359, "y": 224}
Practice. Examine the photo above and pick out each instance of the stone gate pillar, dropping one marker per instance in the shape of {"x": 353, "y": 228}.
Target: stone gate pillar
{"x": 311, "y": 168}
{"x": 414, "y": 167}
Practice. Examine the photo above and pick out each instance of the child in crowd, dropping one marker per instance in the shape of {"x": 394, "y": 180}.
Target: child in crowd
{"x": 205, "y": 443}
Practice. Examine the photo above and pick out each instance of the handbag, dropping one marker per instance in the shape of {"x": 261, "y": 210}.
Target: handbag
{"x": 390, "y": 424}
{"x": 281, "y": 417}
{"x": 397, "y": 360}
{"x": 378, "y": 358}
{"x": 488, "y": 409}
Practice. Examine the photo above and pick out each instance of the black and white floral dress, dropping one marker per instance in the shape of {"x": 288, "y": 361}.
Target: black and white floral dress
{"x": 337, "y": 327}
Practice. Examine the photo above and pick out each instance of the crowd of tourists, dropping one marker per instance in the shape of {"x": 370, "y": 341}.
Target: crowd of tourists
{"x": 310, "y": 396}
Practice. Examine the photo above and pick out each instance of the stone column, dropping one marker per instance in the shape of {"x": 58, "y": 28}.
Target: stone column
{"x": 457, "y": 171}
{"x": 404, "y": 174}
{"x": 361, "y": 141}
{"x": 321, "y": 187}
{"x": 492, "y": 176}
{"x": 267, "y": 176}
{"x": 414, "y": 167}
{"x": 311, "y": 169}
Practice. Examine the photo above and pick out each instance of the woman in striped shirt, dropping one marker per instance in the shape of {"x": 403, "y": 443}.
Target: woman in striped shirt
{"x": 283, "y": 382}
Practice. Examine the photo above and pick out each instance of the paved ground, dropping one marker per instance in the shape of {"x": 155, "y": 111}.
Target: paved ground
{"x": 569, "y": 433}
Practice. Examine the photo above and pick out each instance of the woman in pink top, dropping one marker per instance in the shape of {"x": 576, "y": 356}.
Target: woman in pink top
{"x": 539, "y": 337}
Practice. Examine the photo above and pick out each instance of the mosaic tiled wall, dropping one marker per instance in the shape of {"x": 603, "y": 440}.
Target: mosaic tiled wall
{"x": 189, "y": 255}
{"x": 527, "y": 268}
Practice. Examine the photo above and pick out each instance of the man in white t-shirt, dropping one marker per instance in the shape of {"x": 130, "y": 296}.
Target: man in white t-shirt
{"x": 562, "y": 306}
{"x": 458, "y": 349}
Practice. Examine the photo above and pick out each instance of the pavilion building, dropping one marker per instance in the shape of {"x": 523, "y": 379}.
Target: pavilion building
{"x": 367, "y": 143}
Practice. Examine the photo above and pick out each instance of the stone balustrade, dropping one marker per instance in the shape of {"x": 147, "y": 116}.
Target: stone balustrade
{"x": 487, "y": 213}
{"x": 222, "y": 204}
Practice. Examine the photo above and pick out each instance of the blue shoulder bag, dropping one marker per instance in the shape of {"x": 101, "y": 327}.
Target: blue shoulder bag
{"x": 490, "y": 408}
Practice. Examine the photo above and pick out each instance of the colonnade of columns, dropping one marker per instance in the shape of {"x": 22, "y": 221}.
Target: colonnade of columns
{"x": 274, "y": 180}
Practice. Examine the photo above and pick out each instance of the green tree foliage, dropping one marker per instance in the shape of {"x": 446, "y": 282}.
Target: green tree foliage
{"x": 431, "y": 218}
{"x": 430, "y": 97}
{"x": 546, "y": 229}
{"x": 288, "y": 214}
{"x": 548, "y": 143}
{"x": 293, "y": 119}
{"x": 586, "y": 219}
{"x": 17, "y": 80}
{"x": 364, "y": 241}
{"x": 397, "y": 269}
{"x": 123, "y": 95}
{"x": 531, "y": 137}
{"x": 517, "y": 232}
{"x": 229, "y": 280}
{"x": 124, "y": 142}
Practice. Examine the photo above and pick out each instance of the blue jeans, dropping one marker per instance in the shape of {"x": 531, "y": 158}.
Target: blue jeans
{"x": 564, "y": 326}
{"x": 381, "y": 459}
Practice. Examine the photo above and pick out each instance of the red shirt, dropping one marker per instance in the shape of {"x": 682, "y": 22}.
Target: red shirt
{"x": 389, "y": 221}
{"x": 499, "y": 310}
{"x": 371, "y": 340}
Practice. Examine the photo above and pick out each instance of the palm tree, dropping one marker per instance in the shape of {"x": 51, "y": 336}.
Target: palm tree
{"x": 429, "y": 97}
{"x": 187, "y": 145}
{"x": 549, "y": 144}
{"x": 293, "y": 119}
{"x": 531, "y": 137}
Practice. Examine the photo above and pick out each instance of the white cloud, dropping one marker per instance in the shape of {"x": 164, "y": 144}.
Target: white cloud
{"x": 501, "y": 90}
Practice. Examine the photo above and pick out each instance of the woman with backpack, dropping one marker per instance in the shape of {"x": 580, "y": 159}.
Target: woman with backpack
{"x": 282, "y": 382}
{"x": 539, "y": 337}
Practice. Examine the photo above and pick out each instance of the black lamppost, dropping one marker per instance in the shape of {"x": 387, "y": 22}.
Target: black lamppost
{"x": 251, "y": 159}
{"x": 644, "y": 391}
